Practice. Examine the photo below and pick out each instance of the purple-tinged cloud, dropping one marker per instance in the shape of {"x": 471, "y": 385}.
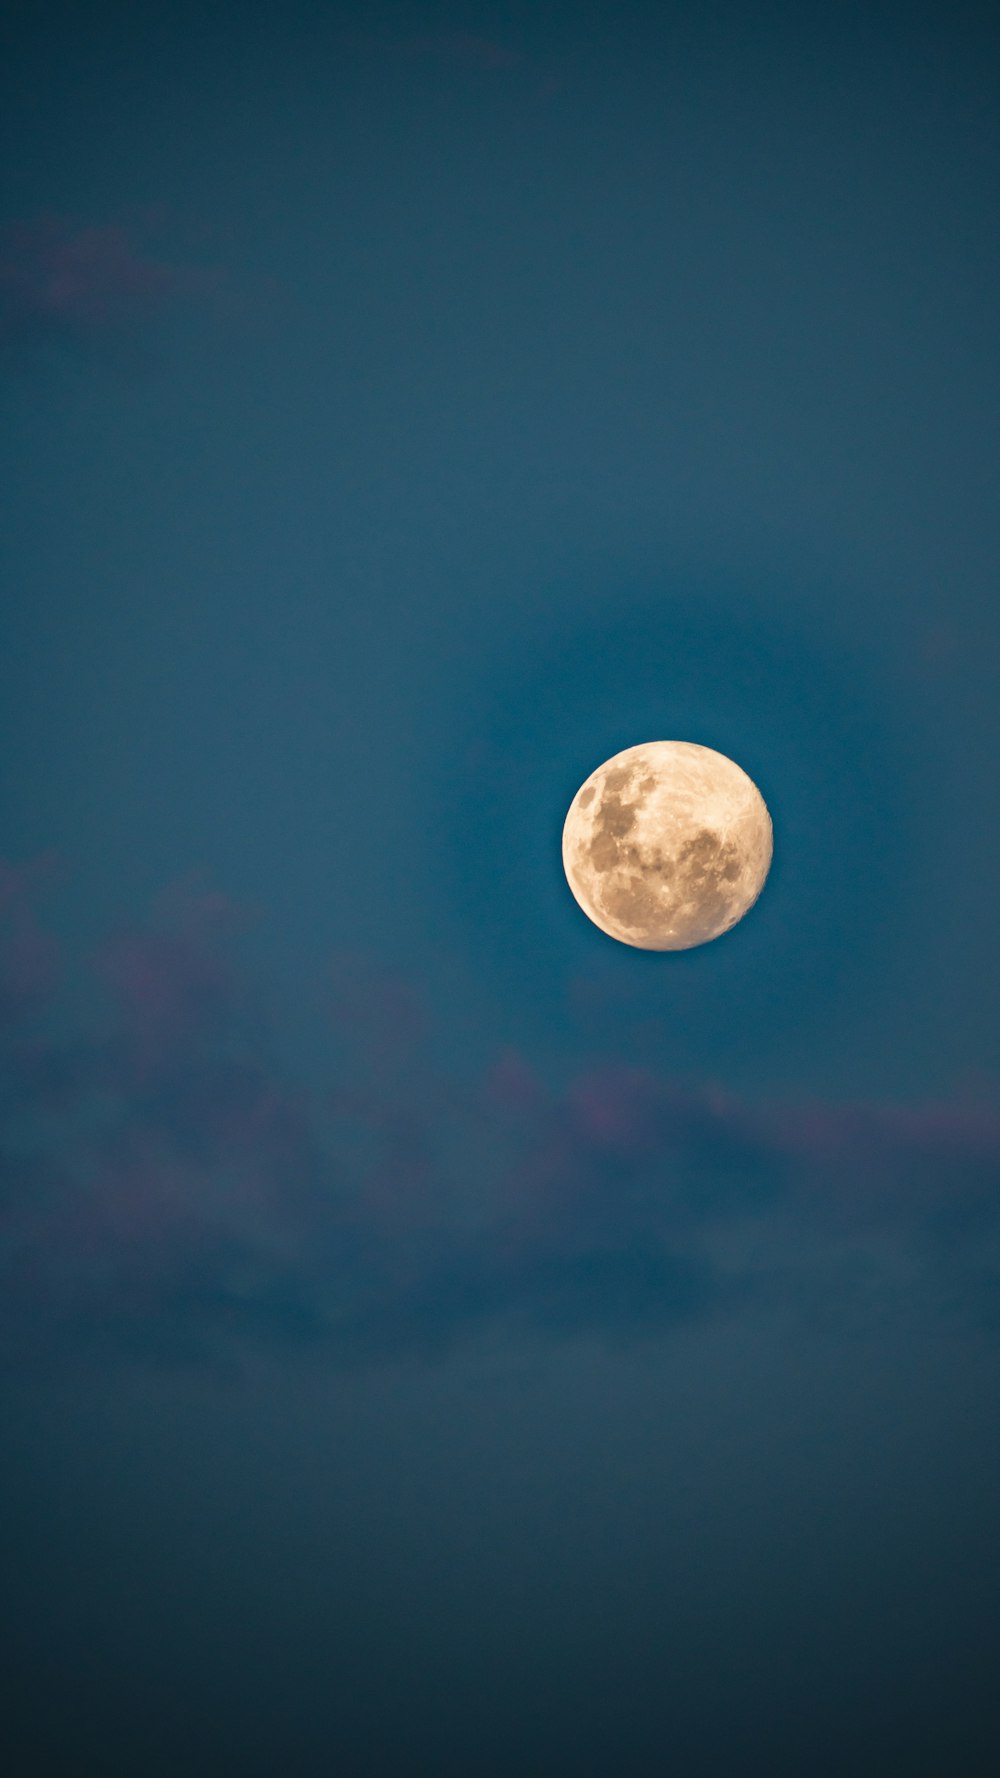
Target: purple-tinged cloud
{"x": 463, "y": 49}
{"x": 64, "y": 279}
{"x": 467, "y": 48}
{"x": 171, "y": 1188}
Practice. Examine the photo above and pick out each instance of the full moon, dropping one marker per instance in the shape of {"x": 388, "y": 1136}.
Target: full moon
{"x": 667, "y": 845}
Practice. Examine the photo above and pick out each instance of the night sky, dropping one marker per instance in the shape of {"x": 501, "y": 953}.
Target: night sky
{"x": 436, "y": 1340}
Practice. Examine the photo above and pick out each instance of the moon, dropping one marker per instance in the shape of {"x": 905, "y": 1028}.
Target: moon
{"x": 667, "y": 845}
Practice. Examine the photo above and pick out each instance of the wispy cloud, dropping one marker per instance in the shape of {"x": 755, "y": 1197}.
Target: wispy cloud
{"x": 172, "y": 1189}
{"x": 465, "y": 49}
{"x": 64, "y": 280}
{"x": 471, "y": 57}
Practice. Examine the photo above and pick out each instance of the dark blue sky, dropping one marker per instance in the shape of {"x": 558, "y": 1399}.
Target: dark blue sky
{"x": 433, "y": 1337}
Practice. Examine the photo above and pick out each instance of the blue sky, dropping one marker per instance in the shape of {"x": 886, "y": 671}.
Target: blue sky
{"x": 435, "y": 1337}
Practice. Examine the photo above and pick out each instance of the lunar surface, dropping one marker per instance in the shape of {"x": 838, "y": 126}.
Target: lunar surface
{"x": 667, "y": 845}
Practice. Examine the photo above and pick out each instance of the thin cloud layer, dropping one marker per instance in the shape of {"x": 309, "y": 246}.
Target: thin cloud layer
{"x": 171, "y": 1190}
{"x": 463, "y": 48}
{"x": 64, "y": 280}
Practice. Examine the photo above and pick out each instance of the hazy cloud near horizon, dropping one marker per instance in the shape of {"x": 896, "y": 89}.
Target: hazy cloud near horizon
{"x": 173, "y": 1191}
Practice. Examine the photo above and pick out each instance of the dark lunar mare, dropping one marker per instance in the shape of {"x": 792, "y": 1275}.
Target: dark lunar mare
{"x": 706, "y": 863}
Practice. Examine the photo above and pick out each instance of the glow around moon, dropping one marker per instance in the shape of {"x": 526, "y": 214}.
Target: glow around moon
{"x": 667, "y": 845}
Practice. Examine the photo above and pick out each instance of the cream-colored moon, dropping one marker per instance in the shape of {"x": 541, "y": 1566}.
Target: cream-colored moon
{"x": 667, "y": 845}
